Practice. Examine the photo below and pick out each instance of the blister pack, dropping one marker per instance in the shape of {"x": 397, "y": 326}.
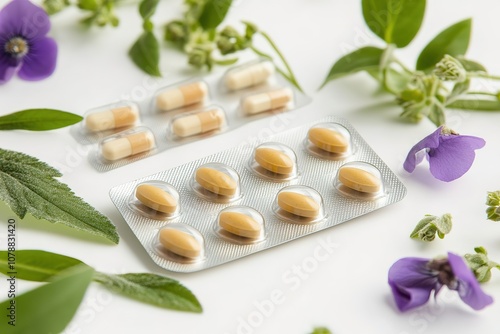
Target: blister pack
{"x": 183, "y": 112}
{"x": 249, "y": 198}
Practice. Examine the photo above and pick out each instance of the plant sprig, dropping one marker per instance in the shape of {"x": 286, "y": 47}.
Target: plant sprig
{"x": 197, "y": 34}
{"x": 442, "y": 75}
{"x": 68, "y": 280}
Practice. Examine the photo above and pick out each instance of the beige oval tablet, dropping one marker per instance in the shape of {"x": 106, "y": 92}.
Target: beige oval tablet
{"x": 359, "y": 179}
{"x": 216, "y": 181}
{"x": 298, "y": 204}
{"x": 240, "y": 224}
{"x": 180, "y": 242}
{"x": 274, "y": 160}
{"x": 156, "y": 198}
{"x": 328, "y": 140}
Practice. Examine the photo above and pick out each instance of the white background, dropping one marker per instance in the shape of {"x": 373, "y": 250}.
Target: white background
{"x": 347, "y": 291}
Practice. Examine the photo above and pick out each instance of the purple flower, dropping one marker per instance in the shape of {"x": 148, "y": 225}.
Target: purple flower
{"x": 450, "y": 155}
{"x": 412, "y": 281}
{"x": 24, "y": 48}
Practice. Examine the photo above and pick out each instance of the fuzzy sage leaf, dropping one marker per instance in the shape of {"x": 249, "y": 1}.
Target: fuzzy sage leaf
{"x": 50, "y": 307}
{"x": 364, "y": 59}
{"x": 152, "y": 289}
{"x": 396, "y": 22}
{"x": 28, "y": 185}
{"x": 493, "y": 203}
{"x": 429, "y": 226}
{"x": 37, "y": 265}
{"x": 480, "y": 264}
{"x": 453, "y": 41}
{"x": 145, "y": 53}
{"x": 213, "y": 13}
{"x": 38, "y": 120}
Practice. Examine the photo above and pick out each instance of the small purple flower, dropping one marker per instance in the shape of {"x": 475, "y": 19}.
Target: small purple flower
{"x": 24, "y": 48}
{"x": 450, "y": 155}
{"x": 412, "y": 281}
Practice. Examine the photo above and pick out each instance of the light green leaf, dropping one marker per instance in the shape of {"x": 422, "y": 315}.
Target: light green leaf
{"x": 213, "y": 13}
{"x": 475, "y": 104}
{"x": 152, "y": 289}
{"x": 49, "y": 308}
{"x": 28, "y": 185}
{"x": 395, "y": 81}
{"x": 145, "y": 53}
{"x": 444, "y": 223}
{"x": 321, "y": 330}
{"x": 471, "y": 65}
{"x": 36, "y": 265}
{"x": 38, "y": 120}
{"x": 364, "y": 59}
{"x": 147, "y": 8}
{"x": 458, "y": 89}
{"x": 428, "y": 220}
{"x": 453, "y": 41}
{"x": 226, "y": 62}
{"x": 395, "y": 21}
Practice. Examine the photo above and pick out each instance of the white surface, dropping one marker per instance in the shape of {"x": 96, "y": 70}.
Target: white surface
{"x": 346, "y": 289}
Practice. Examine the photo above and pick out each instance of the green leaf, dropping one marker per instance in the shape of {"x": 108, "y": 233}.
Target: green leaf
{"x": 395, "y": 21}
{"x": 471, "y": 65}
{"x": 364, "y": 59}
{"x": 213, "y": 13}
{"x": 424, "y": 223}
{"x": 453, "y": 41}
{"x": 36, "y": 265}
{"x": 48, "y": 308}
{"x": 395, "y": 81}
{"x": 444, "y": 223}
{"x": 458, "y": 89}
{"x": 147, "y": 8}
{"x": 145, "y": 53}
{"x": 152, "y": 289}
{"x": 28, "y": 185}
{"x": 321, "y": 330}
{"x": 38, "y": 120}
{"x": 475, "y": 104}
{"x": 226, "y": 62}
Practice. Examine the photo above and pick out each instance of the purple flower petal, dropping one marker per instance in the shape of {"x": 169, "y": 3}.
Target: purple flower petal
{"x": 468, "y": 287}
{"x": 41, "y": 60}
{"x": 454, "y": 156}
{"x": 21, "y": 17}
{"x": 411, "y": 282}
{"x": 8, "y": 67}
{"x": 429, "y": 142}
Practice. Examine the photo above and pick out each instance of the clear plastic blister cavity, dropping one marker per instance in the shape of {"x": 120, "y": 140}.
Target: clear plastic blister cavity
{"x": 251, "y": 198}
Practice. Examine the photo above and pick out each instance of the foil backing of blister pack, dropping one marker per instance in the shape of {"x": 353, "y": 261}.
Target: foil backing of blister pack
{"x": 157, "y": 122}
{"x": 258, "y": 193}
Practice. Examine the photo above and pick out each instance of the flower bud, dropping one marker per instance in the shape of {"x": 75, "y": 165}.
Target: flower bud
{"x": 493, "y": 202}
{"x": 198, "y": 57}
{"x": 450, "y": 69}
{"x": 175, "y": 32}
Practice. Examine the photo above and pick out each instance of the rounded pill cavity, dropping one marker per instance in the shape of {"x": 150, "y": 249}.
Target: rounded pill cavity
{"x": 274, "y": 161}
{"x": 240, "y": 224}
{"x": 248, "y": 75}
{"x": 180, "y": 242}
{"x": 360, "y": 180}
{"x": 216, "y": 182}
{"x": 198, "y": 122}
{"x": 184, "y": 95}
{"x": 273, "y": 100}
{"x": 127, "y": 144}
{"x": 329, "y": 140}
{"x": 299, "y": 204}
{"x": 156, "y": 200}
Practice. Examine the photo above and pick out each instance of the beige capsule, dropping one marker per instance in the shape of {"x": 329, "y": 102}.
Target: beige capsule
{"x": 156, "y": 198}
{"x": 112, "y": 119}
{"x": 182, "y": 96}
{"x": 328, "y": 140}
{"x": 240, "y": 224}
{"x": 198, "y": 123}
{"x": 249, "y": 76}
{"x": 298, "y": 204}
{"x": 255, "y": 104}
{"x": 216, "y": 181}
{"x": 129, "y": 145}
{"x": 180, "y": 242}
{"x": 359, "y": 179}
{"x": 274, "y": 160}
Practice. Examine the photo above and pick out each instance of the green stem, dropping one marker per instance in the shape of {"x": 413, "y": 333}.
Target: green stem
{"x": 483, "y": 75}
{"x": 402, "y": 65}
{"x": 482, "y": 93}
{"x": 280, "y": 71}
{"x": 291, "y": 77}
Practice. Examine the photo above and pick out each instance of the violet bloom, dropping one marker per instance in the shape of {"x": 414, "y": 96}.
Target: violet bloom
{"x": 450, "y": 155}
{"x": 24, "y": 48}
{"x": 412, "y": 281}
